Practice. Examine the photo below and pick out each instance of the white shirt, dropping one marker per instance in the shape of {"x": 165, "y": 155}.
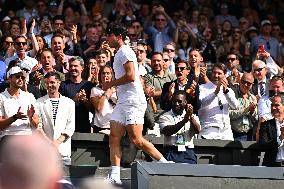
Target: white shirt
{"x": 280, "y": 154}
{"x": 169, "y": 118}
{"x": 214, "y": 110}
{"x": 102, "y": 118}
{"x": 9, "y": 106}
{"x": 264, "y": 108}
{"x": 271, "y": 67}
{"x": 130, "y": 91}
{"x": 27, "y": 62}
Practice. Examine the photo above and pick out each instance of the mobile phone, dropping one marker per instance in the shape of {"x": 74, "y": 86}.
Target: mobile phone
{"x": 261, "y": 48}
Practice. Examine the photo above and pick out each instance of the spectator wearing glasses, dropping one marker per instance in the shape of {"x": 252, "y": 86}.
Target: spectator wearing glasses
{"x": 17, "y": 113}
{"x": 162, "y": 31}
{"x": 182, "y": 83}
{"x": 7, "y": 47}
{"x": 244, "y": 118}
{"x": 270, "y": 43}
{"x": 260, "y": 72}
{"x": 21, "y": 54}
{"x": 216, "y": 99}
{"x": 143, "y": 65}
{"x": 233, "y": 67}
{"x": 170, "y": 48}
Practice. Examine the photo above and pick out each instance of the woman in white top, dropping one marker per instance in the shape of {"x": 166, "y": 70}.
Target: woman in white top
{"x": 103, "y": 101}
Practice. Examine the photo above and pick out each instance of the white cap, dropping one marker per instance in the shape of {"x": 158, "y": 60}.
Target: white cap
{"x": 6, "y": 18}
{"x": 15, "y": 70}
{"x": 264, "y": 22}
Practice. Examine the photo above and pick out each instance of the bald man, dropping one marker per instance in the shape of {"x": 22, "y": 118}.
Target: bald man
{"x": 29, "y": 162}
{"x": 244, "y": 117}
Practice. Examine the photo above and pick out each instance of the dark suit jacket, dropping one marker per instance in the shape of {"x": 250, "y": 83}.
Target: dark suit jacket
{"x": 268, "y": 140}
{"x": 165, "y": 104}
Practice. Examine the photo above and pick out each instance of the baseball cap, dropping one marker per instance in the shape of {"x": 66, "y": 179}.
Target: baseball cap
{"x": 264, "y": 22}
{"x": 15, "y": 70}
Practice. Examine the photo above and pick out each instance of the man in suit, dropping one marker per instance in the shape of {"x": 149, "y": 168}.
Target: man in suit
{"x": 260, "y": 86}
{"x": 180, "y": 84}
{"x": 271, "y": 135}
{"x": 57, "y": 117}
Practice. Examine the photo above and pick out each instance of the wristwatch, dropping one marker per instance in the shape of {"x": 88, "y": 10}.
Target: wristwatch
{"x": 15, "y": 117}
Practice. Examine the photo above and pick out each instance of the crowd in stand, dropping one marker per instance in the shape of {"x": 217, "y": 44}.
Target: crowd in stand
{"x": 209, "y": 70}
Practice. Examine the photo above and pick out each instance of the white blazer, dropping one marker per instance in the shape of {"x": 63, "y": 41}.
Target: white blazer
{"x": 64, "y": 123}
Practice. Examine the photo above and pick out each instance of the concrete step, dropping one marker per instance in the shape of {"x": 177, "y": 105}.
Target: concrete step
{"x": 78, "y": 174}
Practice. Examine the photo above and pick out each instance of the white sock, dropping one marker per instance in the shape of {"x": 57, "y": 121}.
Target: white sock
{"x": 163, "y": 160}
{"x": 115, "y": 172}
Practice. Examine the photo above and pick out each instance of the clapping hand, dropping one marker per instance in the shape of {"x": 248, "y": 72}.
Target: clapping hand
{"x": 21, "y": 115}
{"x": 189, "y": 112}
{"x": 171, "y": 89}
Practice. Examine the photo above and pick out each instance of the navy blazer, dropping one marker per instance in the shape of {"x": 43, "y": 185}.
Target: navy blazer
{"x": 268, "y": 140}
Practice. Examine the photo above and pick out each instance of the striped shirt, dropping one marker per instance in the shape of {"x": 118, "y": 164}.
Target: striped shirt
{"x": 55, "y": 103}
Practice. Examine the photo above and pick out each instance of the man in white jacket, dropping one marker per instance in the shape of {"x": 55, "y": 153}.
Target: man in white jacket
{"x": 57, "y": 117}
{"x": 216, "y": 98}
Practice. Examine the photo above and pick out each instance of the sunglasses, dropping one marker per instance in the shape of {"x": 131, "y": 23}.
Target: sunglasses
{"x": 160, "y": 20}
{"x": 166, "y": 60}
{"x": 140, "y": 51}
{"x": 169, "y": 50}
{"x": 231, "y": 59}
{"x": 21, "y": 43}
{"x": 257, "y": 70}
{"x": 20, "y": 76}
{"x": 246, "y": 82}
{"x": 180, "y": 68}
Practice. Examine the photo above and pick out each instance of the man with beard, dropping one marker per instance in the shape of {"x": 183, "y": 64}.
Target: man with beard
{"x": 57, "y": 117}
{"x": 216, "y": 99}
{"x": 179, "y": 125}
{"x": 198, "y": 71}
{"x": 79, "y": 90}
{"x": 17, "y": 113}
{"x": 61, "y": 59}
{"x": 128, "y": 114}
{"x": 180, "y": 84}
{"x": 155, "y": 80}
{"x": 271, "y": 133}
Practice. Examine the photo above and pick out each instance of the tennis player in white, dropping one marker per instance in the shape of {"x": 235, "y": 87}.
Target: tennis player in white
{"x": 128, "y": 114}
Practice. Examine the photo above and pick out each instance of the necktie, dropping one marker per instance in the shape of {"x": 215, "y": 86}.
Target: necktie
{"x": 261, "y": 89}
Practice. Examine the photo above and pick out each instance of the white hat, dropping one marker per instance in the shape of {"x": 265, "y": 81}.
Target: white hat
{"x": 15, "y": 70}
{"x": 264, "y": 22}
{"x": 6, "y": 18}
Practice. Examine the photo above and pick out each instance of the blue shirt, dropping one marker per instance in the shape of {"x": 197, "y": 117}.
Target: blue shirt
{"x": 2, "y": 72}
{"x": 271, "y": 45}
